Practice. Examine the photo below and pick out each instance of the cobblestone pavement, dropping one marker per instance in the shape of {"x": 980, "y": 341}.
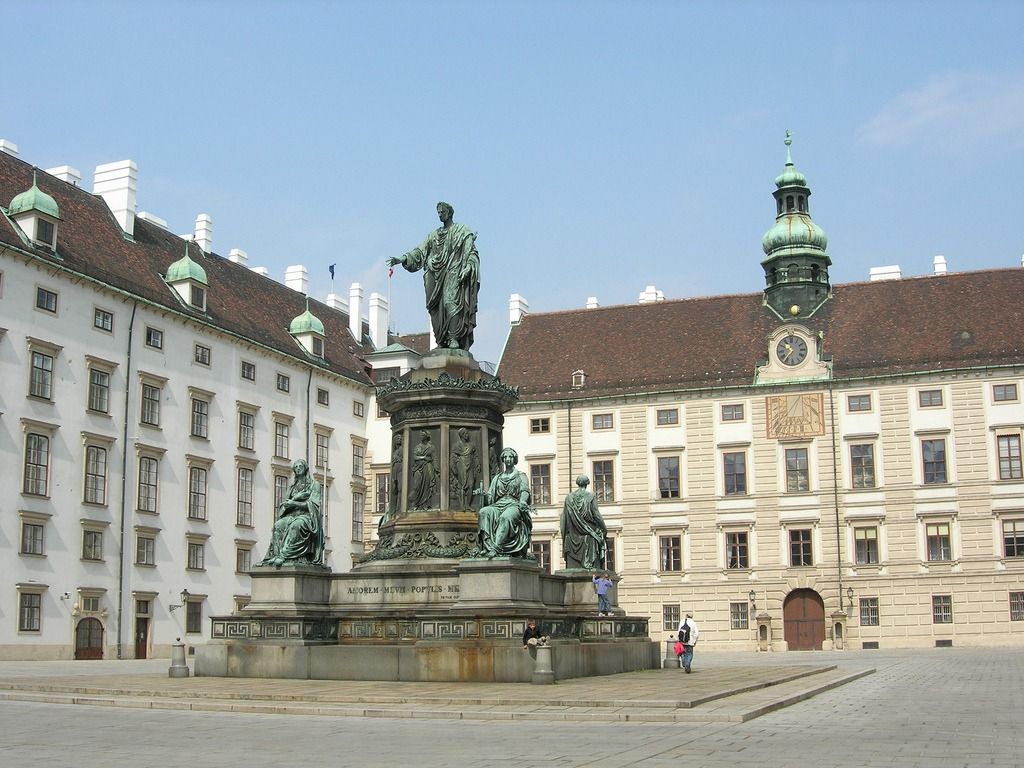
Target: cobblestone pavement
{"x": 922, "y": 708}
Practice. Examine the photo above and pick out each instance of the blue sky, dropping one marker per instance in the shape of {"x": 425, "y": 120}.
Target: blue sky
{"x": 595, "y": 147}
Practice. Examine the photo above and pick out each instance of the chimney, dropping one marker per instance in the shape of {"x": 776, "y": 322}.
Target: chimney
{"x": 152, "y": 218}
{"x": 650, "y": 295}
{"x": 204, "y": 232}
{"x": 117, "y": 184}
{"x": 8, "y": 147}
{"x": 592, "y": 302}
{"x": 296, "y": 277}
{"x": 355, "y": 309}
{"x": 891, "y": 272}
{"x": 238, "y": 256}
{"x": 65, "y": 173}
{"x": 939, "y": 265}
{"x": 261, "y": 271}
{"x": 517, "y": 308}
{"x": 378, "y": 321}
{"x": 334, "y": 301}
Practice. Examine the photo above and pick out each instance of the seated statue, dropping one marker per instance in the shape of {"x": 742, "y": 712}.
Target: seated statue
{"x": 505, "y": 527}
{"x": 298, "y": 535}
{"x": 583, "y": 529}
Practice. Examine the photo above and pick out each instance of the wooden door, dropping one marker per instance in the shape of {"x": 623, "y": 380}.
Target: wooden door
{"x": 89, "y": 639}
{"x": 141, "y": 636}
{"x": 803, "y": 618}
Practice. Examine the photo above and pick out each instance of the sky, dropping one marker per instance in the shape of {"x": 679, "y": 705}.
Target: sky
{"x": 595, "y": 147}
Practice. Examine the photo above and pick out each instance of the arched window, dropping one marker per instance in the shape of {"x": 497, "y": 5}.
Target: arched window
{"x": 815, "y": 273}
{"x": 800, "y": 203}
{"x": 789, "y": 202}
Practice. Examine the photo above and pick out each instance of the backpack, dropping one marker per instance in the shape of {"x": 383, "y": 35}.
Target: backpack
{"x": 684, "y": 634}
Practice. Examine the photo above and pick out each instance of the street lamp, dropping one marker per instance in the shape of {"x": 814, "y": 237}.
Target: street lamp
{"x": 185, "y": 595}
{"x": 753, "y": 602}
{"x": 849, "y": 596}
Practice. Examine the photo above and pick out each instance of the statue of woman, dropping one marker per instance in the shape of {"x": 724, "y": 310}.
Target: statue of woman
{"x": 465, "y": 471}
{"x": 298, "y": 534}
{"x": 583, "y": 529}
{"x": 395, "y": 482}
{"x": 505, "y": 526}
{"x": 424, "y": 474}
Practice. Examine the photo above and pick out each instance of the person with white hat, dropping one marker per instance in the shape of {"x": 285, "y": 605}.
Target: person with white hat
{"x": 688, "y": 634}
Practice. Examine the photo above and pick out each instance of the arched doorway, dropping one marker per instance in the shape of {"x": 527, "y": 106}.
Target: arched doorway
{"x": 89, "y": 639}
{"x": 803, "y": 620}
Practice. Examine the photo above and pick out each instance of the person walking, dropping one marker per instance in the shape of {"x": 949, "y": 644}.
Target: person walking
{"x": 602, "y": 584}
{"x": 688, "y": 634}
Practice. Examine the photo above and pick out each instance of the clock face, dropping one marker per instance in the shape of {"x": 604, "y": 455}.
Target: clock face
{"x": 791, "y": 350}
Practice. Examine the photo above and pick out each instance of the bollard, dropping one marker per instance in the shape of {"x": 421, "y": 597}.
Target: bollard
{"x": 670, "y": 661}
{"x": 543, "y": 673}
{"x": 178, "y": 666}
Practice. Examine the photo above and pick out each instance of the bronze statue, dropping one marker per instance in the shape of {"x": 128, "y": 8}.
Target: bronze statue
{"x": 583, "y": 529}
{"x": 464, "y": 470}
{"x": 451, "y": 278}
{"x": 424, "y": 474}
{"x": 394, "y": 481}
{"x": 504, "y": 525}
{"x": 298, "y": 534}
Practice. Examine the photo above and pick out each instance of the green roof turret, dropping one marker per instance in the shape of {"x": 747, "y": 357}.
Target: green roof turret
{"x": 186, "y": 269}
{"x": 307, "y": 322}
{"x": 33, "y": 199}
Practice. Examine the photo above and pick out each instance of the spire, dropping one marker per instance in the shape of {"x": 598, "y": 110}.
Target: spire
{"x": 33, "y": 199}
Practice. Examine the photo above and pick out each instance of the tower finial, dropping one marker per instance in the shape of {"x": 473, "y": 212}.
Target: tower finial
{"x": 788, "y": 142}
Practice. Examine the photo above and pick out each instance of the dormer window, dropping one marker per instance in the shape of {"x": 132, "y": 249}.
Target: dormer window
{"x": 318, "y": 347}
{"x": 197, "y": 298}
{"x": 36, "y": 214}
{"x": 45, "y": 232}
{"x": 579, "y": 378}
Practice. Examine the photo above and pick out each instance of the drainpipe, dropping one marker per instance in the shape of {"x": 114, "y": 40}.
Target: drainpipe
{"x": 123, "y": 560}
{"x": 835, "y": 492}
{"x": 572, "y": 480}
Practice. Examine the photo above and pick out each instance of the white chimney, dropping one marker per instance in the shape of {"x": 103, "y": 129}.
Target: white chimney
{"x": 8, "y": 147}
{"x": 592, "y": 302}
{"x": 152, "y": 218}
{"x": 355, "y": 309}
{"x": 891, "y": 272}
{"x": 650, "y": 295}
{"x": 66, "y": 173}
{"x": 378, "y": 321}
{"x": 334, "y": 301}
{"x": 261, "y": 271}
{"x": 204, "y": 232}
{"x": 117, "y": 184}
{"x": 939, "y": 265}
{"x": 296, "y": 277}
{"x": 238, "y": 256}
{"x": 517, "y": 307}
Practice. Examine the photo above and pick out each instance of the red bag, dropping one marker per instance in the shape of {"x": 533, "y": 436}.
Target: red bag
{"x": 678, "y": 648}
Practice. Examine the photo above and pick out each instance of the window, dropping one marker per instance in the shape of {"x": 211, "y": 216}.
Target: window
{"x": 193, "y": 616}
{"x": 145, "y": 550}
{"x": 103, "y": 320}
{"x": 800, "y": 552}
{"x": 358, "y": 408}
{"x": 382, "y": 497}
{"x": 99, "y": 390}
{"x": 857, "y": 403}
{"x": 732, "y": 412}
{"x": 200, "y": 418}
{"x": 246, "y": 430}
{"x": 736, "y": 555}
{"x": 1017, "y": 606}
{"x": 150, "y": 405}
{"x": 609, "y": 554}
{"x": 1009, "y": 457}
{"x": 1013, "y": 538}
{"x": 323, "y": 397}
{"x": 40, "y": 383}
{"x": 30, "y": 612}
{"x": 154, "y": 338}
{"x": 866, "y": 545}
{"x": 358, "y": 459}
{"x": 667, "y": 417}
{"x": 197, "y": 484}
{"x": 280, "y": 491}
{"x": 670, "y": 549}
{"x": 92, "y": 545}
{"x": 671, "y": 616}
{"x": 1004, "y": 393}
{"x": 602, "y": 421}
{"x": 384, "y": 375}
{"x": 929, "y": 398}
{"x": 797, "y": 476}
{"x": 89, "y": 603}
{"x": 45, "y": 232}
{"x": 933, "y": 453}
{"x": 37, "y": 464}
{"x": 318, "y": 346}
{"x": 31, "y": 538}
{"x": 95, "y": 475}
{"x": 196, "y": 556}
{"x": 862, "y": 465}
{"x": 243, "y": 514}
{"x": 540, "y": 484}
{"x": 46, "y": 300}
{"x": 281, "y": 433}
{"x": 739, "y": 616}
{"x": 542, "y": 551}
{"x": 540, "y": 426}
{"x": 197, "y": 297}
{"x": 202, "y": 355}
{"x": 869, "y": 611}
{"x": 604, "y": 481}
{"x": 357, "y": 516}
{"x": 668, "y": 477}
{"x": 284, "y": 383}
{"x": 937, "y": 535}
{"x": 735, "y": 465}
{"x": 148, "y": 473}
{"x": 942, "y": 609}
{"x": 243, "y": 559}
{"x": 322, "y": 450}
{"x": 248, "y": 371}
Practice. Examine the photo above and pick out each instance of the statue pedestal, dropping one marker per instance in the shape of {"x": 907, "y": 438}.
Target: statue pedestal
{"x": 501, "y": 583}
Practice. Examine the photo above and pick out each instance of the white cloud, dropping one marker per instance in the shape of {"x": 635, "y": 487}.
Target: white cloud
{"x": 951, "y": 111}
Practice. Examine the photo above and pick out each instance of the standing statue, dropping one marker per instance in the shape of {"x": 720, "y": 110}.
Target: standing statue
{"x": 505, "y": 526}
{"x": 451, "y": 278}
{"x": 492, "y": 456}
{"x": 465, "y": 471}
{"x": 424, "y": 474}
{"x": 394, "y": 481}
{"x": 583, "y": 529}
{"x": 298, "y": 535}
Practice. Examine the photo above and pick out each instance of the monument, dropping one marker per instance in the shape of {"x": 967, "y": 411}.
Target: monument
{"x": 446, "y": 593}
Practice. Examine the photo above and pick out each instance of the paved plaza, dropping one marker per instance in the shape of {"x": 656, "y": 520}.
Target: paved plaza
{"x": 931, "y": 707}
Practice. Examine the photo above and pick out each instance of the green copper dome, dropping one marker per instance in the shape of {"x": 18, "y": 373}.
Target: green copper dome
{"x": 34, "y": 199}
{"x": 307, "y": 322}
{"x": 186, "y": 269}
{"x": 795, "y": 230}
